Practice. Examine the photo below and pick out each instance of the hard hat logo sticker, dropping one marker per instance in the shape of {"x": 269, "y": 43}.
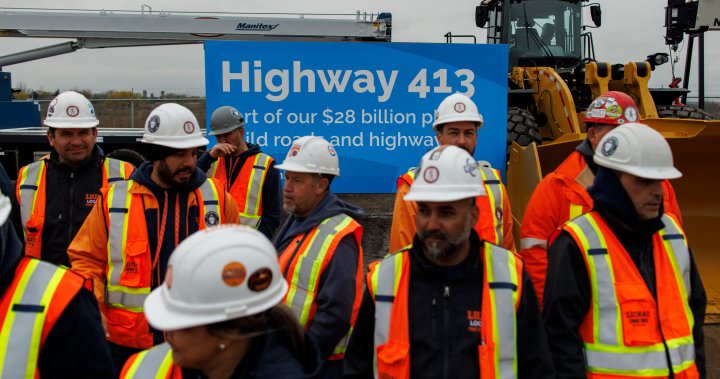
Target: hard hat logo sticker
{"x": 294, "y": 150}
{"x": 471, "y": 167}
{"x": 91, "y": 109}
{"x": 235, "y": 113}
{"x": 260, "y": 279}
{"x": 609, "y": 146}
{"x": 459, "y": 107}
{"x": 168, "y": 277}
{"x": 211, "y": 218}
{"x": 153, "y": 124}
{"x": 72, "y": 111}
{"x": 233, "y": 274}
{"x": 431, "y": 174}
{"x": 331, "y": 150}
{"x": 189, "y": 127}
{"x": 631, "y": 114}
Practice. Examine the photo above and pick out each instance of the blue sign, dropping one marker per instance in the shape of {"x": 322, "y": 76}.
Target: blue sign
{"x": 374, "y": 102}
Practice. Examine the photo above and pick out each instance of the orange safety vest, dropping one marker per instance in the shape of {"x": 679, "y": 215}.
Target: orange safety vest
{"x": 29, "y": 309}
{"x": 247, "y": 187}
{"x": 305, "y": 259}
{"x": 626, "y": 332}
{"x": 489, "y": 228}
{"x": 155, "y": 363}
{"x": 129, "y": 270}
{"x": 562, "y": 196}
{"x": 30, "y": 194}
{"x": 388, "y": 282}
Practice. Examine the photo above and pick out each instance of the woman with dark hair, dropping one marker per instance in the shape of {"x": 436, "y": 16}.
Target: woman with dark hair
{"x": 220, "y": 308}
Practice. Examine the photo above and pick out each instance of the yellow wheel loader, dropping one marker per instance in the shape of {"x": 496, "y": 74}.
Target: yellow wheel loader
{"x": 553, "y": 77}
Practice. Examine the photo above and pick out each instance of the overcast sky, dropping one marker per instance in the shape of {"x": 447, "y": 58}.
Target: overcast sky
{"x": 630, "y": 31}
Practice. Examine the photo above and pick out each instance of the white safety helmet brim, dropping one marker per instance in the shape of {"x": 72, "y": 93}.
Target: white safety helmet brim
{"x": 163, "y": 314}
{"x": 177, "y": 142}
{"x": 72, "y": 124}
{"x": 446, "y": 193}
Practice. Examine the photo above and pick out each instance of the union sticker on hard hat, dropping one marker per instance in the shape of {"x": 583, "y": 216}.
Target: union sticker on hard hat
{"x": 631, "y": 114}
{"x": 154, "y": 124}
{"x": 613, "y": 111}
{"x": 294, "y": 150}
{"x": 260, "y": 279}
{"x": 233, "y": 274}
{"x": 72, "y": 111}
{"x": 331, "y": 150}
{"x": 459, "y": 107}
{"x": 471, "y": 167}
{"x": 235, "y": 113}
{"x": 188, "y": 127}
{"x": 609, "y": 146}
{"x": 431, "y": 174}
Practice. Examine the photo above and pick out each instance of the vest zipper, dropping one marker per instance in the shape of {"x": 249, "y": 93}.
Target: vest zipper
{"x": 71, "y": 201}
{"x": 446, "y": 330}
{"x": 434, "y": 318}
{"x": 292, "y": 257}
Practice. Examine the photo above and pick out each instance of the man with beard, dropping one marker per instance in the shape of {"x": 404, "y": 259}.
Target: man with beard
{"x": 623, "y": 297}
{"x": 457, "y": 122}
{"x": 451, "y": 305}
{"x": 126, "y": 241}
{"x": 320, "y": 250}
{"x": 247, "y": 173}
{"x": 57, "y": 192}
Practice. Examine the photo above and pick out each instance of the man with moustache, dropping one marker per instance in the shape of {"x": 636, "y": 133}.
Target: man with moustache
{"x": 623, "y": 297}
{"x": 457, "y": 122}
{"x": 247, "y": 173}
{"x": 320, "y": 250}
{"x": 57, "y": 192}
{"x": 451, "y": 305}
{"x": 126, "y": 241}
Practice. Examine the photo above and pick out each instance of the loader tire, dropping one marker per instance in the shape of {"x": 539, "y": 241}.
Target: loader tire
{"x": 128, "y": 155}
{"x": 521, "y": 128}
{"x": 679, "y": 111}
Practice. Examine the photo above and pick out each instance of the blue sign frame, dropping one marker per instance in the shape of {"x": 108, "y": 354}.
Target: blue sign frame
{"x": 374, "y": 101}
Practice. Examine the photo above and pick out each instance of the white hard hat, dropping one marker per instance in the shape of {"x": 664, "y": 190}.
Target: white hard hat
{"x": 638, "y": 150}
{"x": 217, "y": 274}
{"x": 4, "y": 208}
{"x": 457, "y": 107}
{"x": 446, "y": 173}
{"x": 311, "y": 154}
{"x": 71, "y": 110}
{"x": 224, "y": 120}
{"x": 174, "y": 126}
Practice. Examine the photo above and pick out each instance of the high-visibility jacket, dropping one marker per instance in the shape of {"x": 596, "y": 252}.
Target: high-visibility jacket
{"x": 122, "y": 268}
{"x": 247, "y": 187}
{"x": 388, "y": 282}
{"x": 561, "y": 196}
{"x": 494, "y": 224}
{"x": 29, "y": 309}
{"x": 627, "y": 333}
{"x": 155, "y": 363}
{"x": 31, "y": 197}
{"x": 305, "y": 259}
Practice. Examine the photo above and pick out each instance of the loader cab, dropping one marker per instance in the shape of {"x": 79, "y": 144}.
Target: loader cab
{"x": 538, "y": 32}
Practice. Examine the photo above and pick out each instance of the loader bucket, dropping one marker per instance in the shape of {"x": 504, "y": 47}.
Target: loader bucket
{"x": 696, "y": 152}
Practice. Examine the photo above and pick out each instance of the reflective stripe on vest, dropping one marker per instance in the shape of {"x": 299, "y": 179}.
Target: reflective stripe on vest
{"x": 304, "y": 278}
{"x": 155, "y": 363}
{"x": 119, "y": 201}
{"x": 502, "y": 270}
{"x": 608, "y": 354}
{"x": 114, "y": 170}
{"x": 21, "y": 335}
{"x": 493, "y": 185}
{"x": 251, "y": 215}
{"x": 29, "y": 184}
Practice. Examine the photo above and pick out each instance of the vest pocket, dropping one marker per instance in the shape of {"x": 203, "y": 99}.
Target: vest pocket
{"x": 393, "y": 360}
{"x": 136, "y": 271}
{"x": 638, "y": 314}
{"x": 128, "y": 328}
{"x": 33, "y": 235}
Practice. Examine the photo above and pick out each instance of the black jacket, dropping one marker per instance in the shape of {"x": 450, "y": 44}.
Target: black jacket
{"x": 336, "y": 293}
{"x": 444, "y": 338}
{"x": 76, "y": 346}
{"x": 70, "y": 196}
{"x": 271, "y": 358}
{"x": 567, "y": 289}
{"x": 271, "y": 193}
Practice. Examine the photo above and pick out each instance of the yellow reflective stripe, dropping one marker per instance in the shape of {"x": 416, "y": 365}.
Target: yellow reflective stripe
{"x": 374, "y": 280}
{"x": 677, "y": 344}
{"x": 7, "y": 325}
{"x": 411, "y": 173}
{"x": 342, "y": 345}
{"x": 679, "y": 279}
{"x": 156, "y": 361}
{"x": 493, "y": 204}
{"x": 33, "y": 173}
{"x": 130, "y": 374}
{"x": 255, "y": 186}
{"x": 40, "y": 321}
{"x": 576, "y": 210}
{"x": 315, "y": 271}
{"x": 398, "y": 272}
{"x": 112, "y": 276}
{"x": 250, "y": 188}
{"x": 594, "y": 280}
{"x": 213, "y": 169}
{"x": 130, "y": 290}
{"x": 215, "y": 197}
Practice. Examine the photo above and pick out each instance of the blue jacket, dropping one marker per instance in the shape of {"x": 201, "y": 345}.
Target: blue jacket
{"x": 337, "y": 284}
